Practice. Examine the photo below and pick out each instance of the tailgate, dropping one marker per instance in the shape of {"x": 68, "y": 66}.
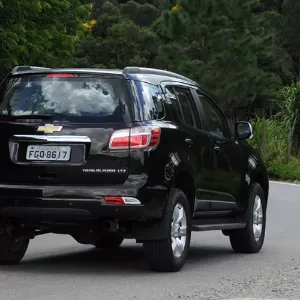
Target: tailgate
{"x": 56, "y": 130}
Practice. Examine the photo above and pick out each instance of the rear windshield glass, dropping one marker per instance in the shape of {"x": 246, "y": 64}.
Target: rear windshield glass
{"x": 79, "y": 98}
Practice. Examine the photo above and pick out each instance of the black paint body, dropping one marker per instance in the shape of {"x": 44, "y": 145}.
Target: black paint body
{"x": 218, "y": 168}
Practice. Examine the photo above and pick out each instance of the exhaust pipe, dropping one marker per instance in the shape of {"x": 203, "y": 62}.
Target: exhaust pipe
{"x": 111, "y": 226}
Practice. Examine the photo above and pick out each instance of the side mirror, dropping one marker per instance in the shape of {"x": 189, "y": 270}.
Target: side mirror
{"x": 243, "y": 130}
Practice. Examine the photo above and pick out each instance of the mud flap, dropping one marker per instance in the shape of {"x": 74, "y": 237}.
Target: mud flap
{"x": 150, "y": 230}
{"x": 155, "y": 230}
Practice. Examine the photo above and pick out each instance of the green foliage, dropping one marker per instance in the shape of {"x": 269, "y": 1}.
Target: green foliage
{"x": 285, "y": 171}
{"x": 274, "y": 146}
{"x": 285, "y": 23}
{"x": 40, "y": 32}
{"x": 276, "y": 149}
{"x": 121, "y": 37}
{"x": 289, "y": 110}
{"x": 291, "y": 29}
{"x": 140, "y": 14}
{"x": 220, "y": 44}
{"x": 276, "y": 139}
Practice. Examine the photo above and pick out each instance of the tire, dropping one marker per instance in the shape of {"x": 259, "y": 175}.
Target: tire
{"x": 12, "y": 251}
{"x": 111, "y": 241}
{"x": 244, "y": 240}
{"x": 160, "y": 254}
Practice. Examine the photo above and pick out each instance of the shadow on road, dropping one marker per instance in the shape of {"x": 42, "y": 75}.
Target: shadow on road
{"x": 129, "y": 259}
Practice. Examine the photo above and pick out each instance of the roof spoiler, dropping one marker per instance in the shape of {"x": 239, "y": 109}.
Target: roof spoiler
{"x": 27, "y": 68}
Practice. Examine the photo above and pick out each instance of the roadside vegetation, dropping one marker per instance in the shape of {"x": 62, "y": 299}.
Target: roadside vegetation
{"x": 246, "y": 51}
{"x": 277, "y": 138}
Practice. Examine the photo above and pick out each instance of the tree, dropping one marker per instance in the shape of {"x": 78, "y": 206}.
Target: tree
{"x": 270, "y": 5}
{"x": 220, "y": 44}
{"x": 283, "y": 17}
{"x": 39, "y": 32}
{"x": 121, "y": 37}
{"x": 140, "y": 14}
{"x": 291, "y": 30}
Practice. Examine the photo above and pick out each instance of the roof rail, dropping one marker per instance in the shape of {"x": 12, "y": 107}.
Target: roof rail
{"x": 27, "y": 68}
{"x": 137, "y": 70}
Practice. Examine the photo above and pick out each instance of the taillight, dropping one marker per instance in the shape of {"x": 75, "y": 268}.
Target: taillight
{"x": 141, "y": 137}
{"x": 119, "y": 200}
{"x": 114, "y": 200}
{"x": 60, "y": 75}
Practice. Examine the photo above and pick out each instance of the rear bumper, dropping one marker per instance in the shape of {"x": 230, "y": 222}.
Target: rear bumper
{"x": 65, "y": 203}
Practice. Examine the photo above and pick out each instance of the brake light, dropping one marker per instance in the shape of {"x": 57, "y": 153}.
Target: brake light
{"x": 136, "y": 138}
{"x": 119, "y": 200}
{"x": 114, "y": 200}
{"x": 60, "y": 75}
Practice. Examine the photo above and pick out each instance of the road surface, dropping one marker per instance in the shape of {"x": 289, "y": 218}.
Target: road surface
{"x": 56, "y": 267}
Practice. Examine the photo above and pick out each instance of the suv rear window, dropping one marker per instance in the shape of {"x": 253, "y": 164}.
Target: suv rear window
{"x": 91, "y": 99}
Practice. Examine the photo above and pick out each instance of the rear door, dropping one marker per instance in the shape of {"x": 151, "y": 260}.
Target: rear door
{"x": 227, "y": 175}
{"x": 55, "y": 129}
{"x": 201, "y": 163}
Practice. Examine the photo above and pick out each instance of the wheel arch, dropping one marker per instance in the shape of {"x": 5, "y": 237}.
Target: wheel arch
{"x": 185, "y": 182}
{"x": 262, "y": 179}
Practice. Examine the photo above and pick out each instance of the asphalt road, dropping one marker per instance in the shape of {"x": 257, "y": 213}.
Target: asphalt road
{"x": 56, "y": 267}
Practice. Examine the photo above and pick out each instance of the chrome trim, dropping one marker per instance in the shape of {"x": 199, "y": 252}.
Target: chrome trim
{"x": 67, "y": 140}
{"x": 251, "y": 129}
{"x": 13, "y": 151}
{"x": 51, "y": 138}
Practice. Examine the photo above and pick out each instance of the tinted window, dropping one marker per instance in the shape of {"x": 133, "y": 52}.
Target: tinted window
{"x": 171, "y": 96}
{"x": 213, "y": 120}
{"x": 195, "y": 113}
{"x": 79, "y": 98}
{"x": 188, "y": 107}
{"x": 184, "y": 102}
{"x": 150, "y": 105}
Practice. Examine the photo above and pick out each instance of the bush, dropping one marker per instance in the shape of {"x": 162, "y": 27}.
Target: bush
{"x": 274, "y": 148}
{"x": 276, "y": 142}
{"x": 276, "y": 145}
{"x": 285, "y": 171}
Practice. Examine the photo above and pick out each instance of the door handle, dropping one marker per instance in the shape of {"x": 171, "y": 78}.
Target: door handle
{"x": 217, "y": 149}
{"x": 189, "y": 141}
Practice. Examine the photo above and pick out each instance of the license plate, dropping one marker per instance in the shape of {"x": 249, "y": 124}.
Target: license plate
{"x": 46, "y": 153}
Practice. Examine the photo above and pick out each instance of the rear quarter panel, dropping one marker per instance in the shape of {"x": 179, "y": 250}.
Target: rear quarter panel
{"x": 254, "y": 170}
{"x": 161, "y": 166}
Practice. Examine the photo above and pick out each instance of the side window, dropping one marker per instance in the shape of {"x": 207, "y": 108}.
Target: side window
{"x": 171, "y": 97}
{"x": 150, "y": 105}
{"x": 184, "y": 105}
{"x": 183, "y": 98}
{"x": 213, "y": 120}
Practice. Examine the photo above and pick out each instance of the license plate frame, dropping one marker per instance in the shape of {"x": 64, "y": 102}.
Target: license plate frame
{"x": 48, "y": 153}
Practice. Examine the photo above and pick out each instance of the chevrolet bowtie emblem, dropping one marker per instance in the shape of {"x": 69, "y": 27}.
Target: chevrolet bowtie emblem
{"x": 49, "y": 128}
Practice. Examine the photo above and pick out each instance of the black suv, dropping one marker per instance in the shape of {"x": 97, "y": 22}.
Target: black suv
{"x": 139, "y": 153}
